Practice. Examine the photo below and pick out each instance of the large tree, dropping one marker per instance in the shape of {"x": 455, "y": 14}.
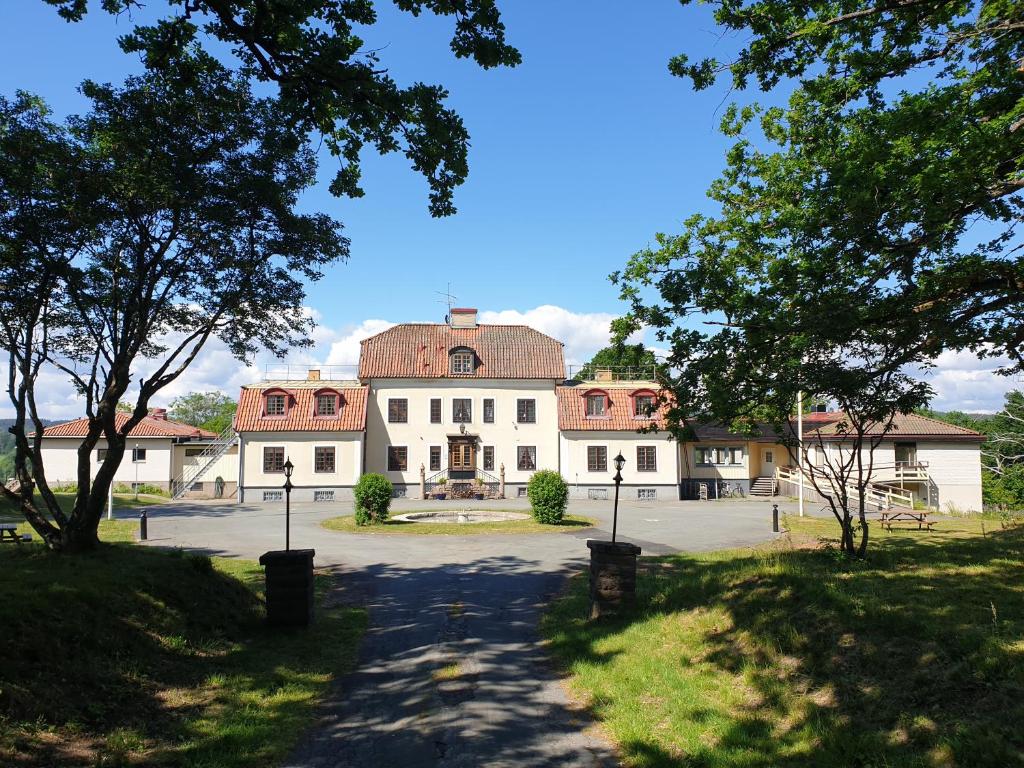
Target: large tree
{"x": 631, "y": 360}
{"x": 164, "y": 217}
{"x": 862, "y": 228}
{"x": 327, "y": 80}
{"x": 207, "y": 410}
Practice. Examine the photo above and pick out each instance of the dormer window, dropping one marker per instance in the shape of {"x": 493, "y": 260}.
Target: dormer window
{"x": 597, "y": 404}
{"x": 645, "y": 403}
{"x": 276, "y": 404}
{"x": 326, "y": 403}
{"x": 462, "y": 361}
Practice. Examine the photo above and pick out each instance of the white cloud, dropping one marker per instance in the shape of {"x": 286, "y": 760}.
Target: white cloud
{"x": 344, "y": 349}
{"x": 964, "y": 382}
{"x": 583, "y": 333}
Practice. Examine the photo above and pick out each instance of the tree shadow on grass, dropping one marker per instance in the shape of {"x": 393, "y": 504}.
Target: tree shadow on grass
{"x": 799, "y": 658}
{"x": 130, "y": 651}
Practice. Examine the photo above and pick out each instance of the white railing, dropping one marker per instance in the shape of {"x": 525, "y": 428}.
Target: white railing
{"x": 203, "y": 461}
{"x": 876, "y": 494}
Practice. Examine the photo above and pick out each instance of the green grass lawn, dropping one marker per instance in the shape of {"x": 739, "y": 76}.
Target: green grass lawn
{"x": 347, "y": 524}
{"x": 789, "y": 655}
{"x": 138, "y": 656}
{"x": 122, "y": 502}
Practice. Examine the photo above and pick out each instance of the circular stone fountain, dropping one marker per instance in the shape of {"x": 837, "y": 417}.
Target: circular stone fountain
{"x": 461, "y": 516}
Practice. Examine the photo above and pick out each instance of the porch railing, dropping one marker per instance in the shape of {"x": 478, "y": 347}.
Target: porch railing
{"x": 462, "y": 487}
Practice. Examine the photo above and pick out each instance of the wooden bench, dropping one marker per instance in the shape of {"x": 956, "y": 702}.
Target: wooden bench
{"x": 909, "y": 516}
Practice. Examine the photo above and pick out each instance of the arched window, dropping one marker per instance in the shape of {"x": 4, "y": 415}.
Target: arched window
{"x": 326, "y": 403}
{"x": 276, "y": 403}
{"x": 645, "y": 404}
{"x": 597, "y": 404}
{"x": 461, "y": 360}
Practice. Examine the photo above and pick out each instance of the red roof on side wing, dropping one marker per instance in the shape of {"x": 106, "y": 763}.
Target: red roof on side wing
{"x": 148, "y": 427}
{"x": 301, "y": 399}
{"x": 572, "y": 408}
{"x": 421, "y": 350}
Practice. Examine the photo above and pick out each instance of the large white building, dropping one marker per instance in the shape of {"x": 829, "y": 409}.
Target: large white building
{"x": 438, "y": 407}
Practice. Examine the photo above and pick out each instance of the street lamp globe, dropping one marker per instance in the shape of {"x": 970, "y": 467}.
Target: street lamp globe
{"x": 620, "y": 462}
{"x": 288, "y": 467}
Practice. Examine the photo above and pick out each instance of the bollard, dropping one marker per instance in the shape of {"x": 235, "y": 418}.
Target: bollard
{"x": 775, "y": 518}
{"x": 143, "y": 526}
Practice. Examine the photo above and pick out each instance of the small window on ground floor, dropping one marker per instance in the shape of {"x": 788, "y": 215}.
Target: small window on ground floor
{"x": 522, "y": 491}
{"x": 646, "y": 494}
{"x": 325, "y": 495}
{"x": 196, "y": 486}
{"x": 101, "y": 454}
{"x": 138, "y": 454}
{"x": 273, "y": 495}
{"x": 398, "y": 458}
{"x": 597, "y": 494}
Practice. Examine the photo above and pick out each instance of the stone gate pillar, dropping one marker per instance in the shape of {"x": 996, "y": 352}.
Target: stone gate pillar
{"x": 423, "y": 482}
{"x": 501, "y": 481}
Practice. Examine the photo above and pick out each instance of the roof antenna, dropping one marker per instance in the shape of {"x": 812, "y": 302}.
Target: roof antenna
{"x": 448, "y": 299}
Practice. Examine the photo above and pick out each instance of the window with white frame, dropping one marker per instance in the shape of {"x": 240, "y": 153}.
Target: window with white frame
{"x": 101, "y": 454}
{"x": 398, "y": 458}
{"x": 736, "y": 456}
{"x": 138, "y": 455}
{"x": 646, "y": 458}
{"x": 597, "y": 406}
{"x": 462, "y": 410}
{"x": 526, "y": 411}
{"x": 709, "y": 456}
{"x": 489, "y": 458}
{"x": 488, "y": 410}
{"x": 273, "y": 458}
{"x": 597, "y": 458}
{"x": 462, "y": 361}
{"x": 398, "y": 410}
{"x": 527, "y": 458}
{"x": 323, "y": 458}
{"x": 435, "y": 458}
{"x": 643, "y": 406}
{"x": 435, "y": 410}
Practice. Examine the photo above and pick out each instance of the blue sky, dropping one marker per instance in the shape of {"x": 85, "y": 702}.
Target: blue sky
{"x": 579, "y": 156}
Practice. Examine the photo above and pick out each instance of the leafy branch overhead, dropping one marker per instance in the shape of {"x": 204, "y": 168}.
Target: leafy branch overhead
{"x": 328, "y": 81}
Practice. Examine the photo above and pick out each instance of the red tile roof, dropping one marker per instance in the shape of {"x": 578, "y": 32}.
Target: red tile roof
{"x": 148, "y": 427}
{"x": 299, "y": 416}
{"x": 415, "y": 350}
{"x": 572, "y": 408}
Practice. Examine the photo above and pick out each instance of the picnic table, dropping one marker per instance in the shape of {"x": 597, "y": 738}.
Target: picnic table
{"x": 911, "y": 516}
{"x": 9, "y": 533}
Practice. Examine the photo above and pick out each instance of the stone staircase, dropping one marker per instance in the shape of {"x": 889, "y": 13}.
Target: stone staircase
{"x": 763, "y": 486}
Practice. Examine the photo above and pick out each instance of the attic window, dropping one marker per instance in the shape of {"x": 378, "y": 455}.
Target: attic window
{"x": 326, "y": 403}
{"x": 462, "y": 361}
{"x": 276, "y": 404}
{"x": 597, "y": 404}
{"x": 644, "y": 404}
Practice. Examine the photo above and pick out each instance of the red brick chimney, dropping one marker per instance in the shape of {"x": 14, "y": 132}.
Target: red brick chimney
{"x": 159, "y": 414}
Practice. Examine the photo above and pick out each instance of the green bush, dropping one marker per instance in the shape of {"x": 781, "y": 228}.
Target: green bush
{"x": 373, "y": 497}
{"x": 549, "y": 494}
{"x": 144, "y": 488}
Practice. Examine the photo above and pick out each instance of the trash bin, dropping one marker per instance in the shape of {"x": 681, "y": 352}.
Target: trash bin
{"x": 289, "y": 580}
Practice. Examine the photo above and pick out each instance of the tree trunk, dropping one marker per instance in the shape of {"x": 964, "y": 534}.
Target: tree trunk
{"x": 79, "y": 536}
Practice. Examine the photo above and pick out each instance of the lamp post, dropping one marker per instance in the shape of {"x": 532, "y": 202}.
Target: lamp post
{"x": 620, "y": 462}
{"x": 288, "y": 468}
{"x": 135, "y": 461}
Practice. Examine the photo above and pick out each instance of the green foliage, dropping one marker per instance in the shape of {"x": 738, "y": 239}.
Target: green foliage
{"x": 143, "y": 488}
{"x": 207, "y": 410}
{"x": 549, "y": 494}
{"x": 634, "y": 359}
{"x": 312, "y": 55}
{"x": 373, "y": 499}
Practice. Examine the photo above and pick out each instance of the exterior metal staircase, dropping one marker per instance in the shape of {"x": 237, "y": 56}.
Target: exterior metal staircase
{"x": 442, "y": 482}
{"x": 193, "y": 472}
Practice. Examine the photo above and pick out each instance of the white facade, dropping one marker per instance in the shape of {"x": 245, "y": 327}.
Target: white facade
{"x": 587, "y": 479}
{"x": 60, "y": 459}
{"x": 300, "y": 448}
{"x": 505, "y": 435}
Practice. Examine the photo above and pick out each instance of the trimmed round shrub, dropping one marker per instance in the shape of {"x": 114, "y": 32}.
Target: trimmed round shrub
{"x": 549, "y": 494}
{"x": 373, "y": 498}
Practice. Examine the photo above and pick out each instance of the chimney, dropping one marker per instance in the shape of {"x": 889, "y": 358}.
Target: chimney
{"x": 158, "y": 413}
{"x": 463, "y": 318}
{"x": 313, "y": 375}
{"x": 603, "y": 374}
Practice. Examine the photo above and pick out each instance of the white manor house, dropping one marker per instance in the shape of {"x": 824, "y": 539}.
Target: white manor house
{"x": 464, "y": 409}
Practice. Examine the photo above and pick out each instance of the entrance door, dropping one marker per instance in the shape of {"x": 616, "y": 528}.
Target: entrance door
{"x": 906, "y": 454}
{"x": 768, "y": 461}
{"x": 462, "y": 458}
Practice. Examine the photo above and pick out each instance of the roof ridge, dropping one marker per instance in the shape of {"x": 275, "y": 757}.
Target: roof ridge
{"x": 944, "y": 423}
